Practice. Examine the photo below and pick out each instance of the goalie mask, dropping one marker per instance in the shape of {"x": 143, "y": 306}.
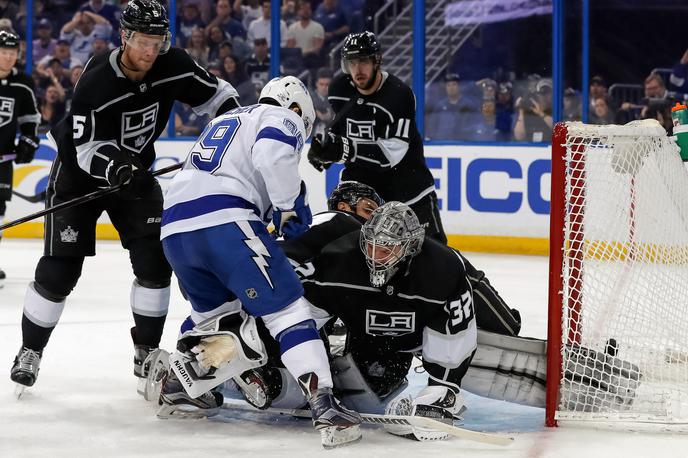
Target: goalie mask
{"x": 145, "y": 17}
{"x": 392, "y": 236}
{"x": 287, "y": 92}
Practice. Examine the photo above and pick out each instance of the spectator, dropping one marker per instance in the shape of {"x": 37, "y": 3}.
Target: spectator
{"x": 598, "y": 88}
{"x": 602, "y": 112}
{"x": 45, "y": 44}
{"x": 308, "y": 35}
{"x": 290, "y": 12}
{"x": 534, "y": 122}
{"x": 247, "y": 13}
{"x": 107, "y": 10}
{"x": 189, "y": 21}
{"x": 679, "y": 75}
{"x": 82, "y": 31}
{"x": 661, "y": 111}
{"x": 52, "y": 70}
{"x": 333, "y": 20}
{"x": 74, "y": 75}
{"x": 504, "y": 112}
{"x": 52, "y": 107}
{"x": 654, "y": 91}
{"x": 197, "y": 48}
{"x": 258, "y": 65}
{"x": 233, "y": 72}
{"x": 448, "y": 119}
{"x": 101, "y": 45}
{"x": 323, "y": 110}
{"x": 223, "y": 19}
{"x": 260, "y": 28}
{"x": 216, "y": 39}
{"x": 353, "y": 10}
{"x": 572, "y": 105}
{"x": 9, "y": 10}
{"x": 63, "y": 55}
{"x": 215, "y": 68}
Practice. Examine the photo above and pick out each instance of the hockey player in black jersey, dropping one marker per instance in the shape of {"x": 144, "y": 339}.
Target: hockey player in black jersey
{"x": 120, "y": 107}
{"x": 17, "y": 110}
{"x": 376, "y": 137}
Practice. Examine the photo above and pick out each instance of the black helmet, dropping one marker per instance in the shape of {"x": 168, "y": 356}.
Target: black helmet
{"x": 350, "y": 192}
{"x": 360, "y": 45}
{"x": 9, "y": 39}
{"x": 145, "y": 16}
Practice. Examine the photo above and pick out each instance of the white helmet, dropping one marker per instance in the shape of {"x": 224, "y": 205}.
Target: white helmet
{"x": 287, "y": 91}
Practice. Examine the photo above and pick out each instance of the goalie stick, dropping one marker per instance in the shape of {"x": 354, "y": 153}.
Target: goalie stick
{"x": 376, "y": 419}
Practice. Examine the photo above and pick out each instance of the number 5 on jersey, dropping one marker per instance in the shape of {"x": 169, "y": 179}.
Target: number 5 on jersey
{"x": 213, "y": 144}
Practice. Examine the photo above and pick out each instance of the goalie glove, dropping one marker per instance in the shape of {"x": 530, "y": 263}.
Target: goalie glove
{"x": 215, "y": 351}
{"x": 440, "y": 403}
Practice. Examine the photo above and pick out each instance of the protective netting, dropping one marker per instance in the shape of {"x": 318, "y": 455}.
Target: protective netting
{"x": 625, "y": 270}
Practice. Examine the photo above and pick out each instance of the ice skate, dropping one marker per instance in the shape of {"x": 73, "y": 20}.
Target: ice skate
{"x": 338, "y": 426}
{"x": 175, "y": 402}
{"x": 25, "y": 369}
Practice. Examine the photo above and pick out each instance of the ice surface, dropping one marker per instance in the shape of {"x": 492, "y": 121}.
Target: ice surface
{"x": 85, "y": 401}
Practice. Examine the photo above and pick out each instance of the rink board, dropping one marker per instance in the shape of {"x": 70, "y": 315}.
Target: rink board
{"x": 493, "y": 198}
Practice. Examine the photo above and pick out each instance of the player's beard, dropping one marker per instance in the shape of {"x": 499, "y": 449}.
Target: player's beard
{"x": 371, "y": 81}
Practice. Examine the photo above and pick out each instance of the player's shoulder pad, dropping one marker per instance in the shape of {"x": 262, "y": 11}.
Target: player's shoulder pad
{"x": 341, "y": 86}
{"x": 286, "y": 121}
{"x": 23, "y": 78}
{"x": 402, "y": 92}
{"x": 177, "y": 57}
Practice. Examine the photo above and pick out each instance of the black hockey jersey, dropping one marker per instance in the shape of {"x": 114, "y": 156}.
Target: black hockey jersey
{"x": 17, "y": 109}
{"x": 326, "y": 227}
{"x": 111, "y": 113}
{"x": 427, "y": 308}
{"x": 388, "y": 148}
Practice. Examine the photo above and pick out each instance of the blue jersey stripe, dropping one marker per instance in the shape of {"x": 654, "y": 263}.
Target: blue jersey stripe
{"x": 274, "y": 133}
{"x": 203, "y": 205}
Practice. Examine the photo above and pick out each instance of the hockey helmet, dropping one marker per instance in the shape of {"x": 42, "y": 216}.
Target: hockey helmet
{"x": 9, "y": 39}
{"x": 351, "y": 192}
{"x": 287, "y": 91}
{"x": 359, "y": 46}
{"x": 148, "y": 17}
{"x": 392, "y": 236}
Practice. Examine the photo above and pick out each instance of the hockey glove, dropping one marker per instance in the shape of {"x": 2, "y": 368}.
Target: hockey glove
{"x": 26, "y": 149}
{"x": 438, "y": 402}
{"x": 328, "y": 149}
{"x": 134, "y": 179}
{"x": 294, "y": 222}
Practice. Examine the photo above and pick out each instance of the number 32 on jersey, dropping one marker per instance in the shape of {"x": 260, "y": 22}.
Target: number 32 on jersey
{"x": 214, "y": 142}
{"x": 461, "y": 313}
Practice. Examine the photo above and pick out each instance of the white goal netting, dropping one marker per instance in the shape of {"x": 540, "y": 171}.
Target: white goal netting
{"x": 625, "y": 276}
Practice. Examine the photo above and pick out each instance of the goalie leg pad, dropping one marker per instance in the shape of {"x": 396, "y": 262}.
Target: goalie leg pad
{"x": 232, "y": 335}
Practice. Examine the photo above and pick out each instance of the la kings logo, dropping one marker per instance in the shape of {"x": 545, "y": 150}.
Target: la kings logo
{"x": 380, "y": 323}
{"x": 138, "y": 127}
{"x": 6, "y": 110}
{"x": 360, "y": 130}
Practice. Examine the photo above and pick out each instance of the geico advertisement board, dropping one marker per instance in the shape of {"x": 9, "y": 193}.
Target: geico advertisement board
{"x": 492, "y": 198}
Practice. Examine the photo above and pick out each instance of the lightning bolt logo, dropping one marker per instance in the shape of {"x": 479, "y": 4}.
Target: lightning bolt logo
{"x": 256, "y": 245}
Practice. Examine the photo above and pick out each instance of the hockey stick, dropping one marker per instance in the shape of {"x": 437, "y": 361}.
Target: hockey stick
{"x": 80, "y": 200}
{"x": 375, "y": 419}
{"x": 40, "y": 197}
{"x": 8, "y": 157}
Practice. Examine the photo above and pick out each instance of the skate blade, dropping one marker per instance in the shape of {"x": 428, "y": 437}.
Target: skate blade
{"x": 334, "y": 437}
{"x": 167, "y": 411}
{"x": 19, "y": 390}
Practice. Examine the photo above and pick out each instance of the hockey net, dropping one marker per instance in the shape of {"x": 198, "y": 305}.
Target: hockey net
{"x": 618, "y": 305}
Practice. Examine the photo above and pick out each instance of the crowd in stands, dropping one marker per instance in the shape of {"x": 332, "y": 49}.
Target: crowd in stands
{"x": 231, "y": 38}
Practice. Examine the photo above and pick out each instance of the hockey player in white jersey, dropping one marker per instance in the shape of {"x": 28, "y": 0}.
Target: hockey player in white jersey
{"x": 241, "y": 173}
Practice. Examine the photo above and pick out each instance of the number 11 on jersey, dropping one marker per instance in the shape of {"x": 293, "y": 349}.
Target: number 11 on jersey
{"x": 213, "y": 145}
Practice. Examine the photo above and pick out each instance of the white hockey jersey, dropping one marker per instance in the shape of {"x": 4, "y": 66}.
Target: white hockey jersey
{"x": 244, "y": 163}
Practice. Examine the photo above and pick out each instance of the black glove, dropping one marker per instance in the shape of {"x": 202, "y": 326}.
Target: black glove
{"x": 26, "y": 149}
{"x": 328, "y": 149}
{"x": 130, "y": 174}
